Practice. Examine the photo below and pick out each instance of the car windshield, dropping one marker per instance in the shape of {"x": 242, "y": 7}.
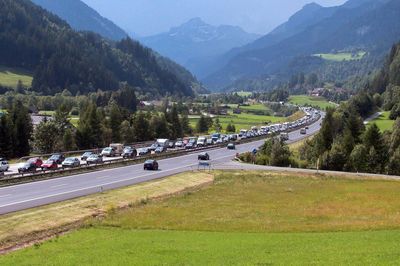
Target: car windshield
{"x": 70, "y": 159}
{"x": 93, "y": 156}
{"x": 149, "y": 162}
{"x": 49, "y": 162}
{"x": 127, "y": 149}
{"x": 32, "y": 160}
{"x": 107, "y": 149}
{"x": 87, "y": 154}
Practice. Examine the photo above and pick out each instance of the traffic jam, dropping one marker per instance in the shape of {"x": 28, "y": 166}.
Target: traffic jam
{"x": 119, "y": 151}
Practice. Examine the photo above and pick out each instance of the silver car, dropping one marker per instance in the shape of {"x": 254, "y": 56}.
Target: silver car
{"x": 4, "y": 166}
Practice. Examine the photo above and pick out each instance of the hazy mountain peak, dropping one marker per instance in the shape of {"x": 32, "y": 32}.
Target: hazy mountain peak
{"x": 312, "y": 6}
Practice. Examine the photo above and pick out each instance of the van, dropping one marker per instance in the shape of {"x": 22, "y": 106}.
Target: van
{"x": 4, "y": 166}
{"x": 163, "y": 143}
{"x": 118, "y": 148}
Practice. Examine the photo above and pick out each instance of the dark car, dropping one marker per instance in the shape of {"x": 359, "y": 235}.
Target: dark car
{"x": 36, "y": 161}
{"x": 203, "y": 156}
{"x": 27, "y": 168}
{"x": 71, "y": 163}
{"x": 151, "y": 165}
{"x": 190, "y": 145}
{"x": 58, "y": 158}
{"x": 49, "y": 165}
{"x": 129, "y": 152}
{"x": 86, "y": 155}
{"x": 94, "y": 159}
{"x": 231, "y": 146}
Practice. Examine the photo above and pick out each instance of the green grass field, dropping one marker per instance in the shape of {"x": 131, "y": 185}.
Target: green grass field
{"x": 383, "y": 122}
{"x": 338, "y": 57}
{"x": 244, "y": 93}
{"x": 304, "y": 100}
{"x": 115, "y": 246}
{"x": 244, "y": 218}
{"x": 242, "y": 121}
{"x": 10, "y": 76}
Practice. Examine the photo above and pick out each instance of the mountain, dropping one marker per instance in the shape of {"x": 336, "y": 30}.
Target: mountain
{"x": 81, "y": 17}
{"x": 367, "y": 25}
{"x": 81, "y": 62}
{"x": 195, "y": 43}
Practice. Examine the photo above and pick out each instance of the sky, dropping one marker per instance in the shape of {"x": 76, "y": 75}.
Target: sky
{"x": 149, "y": 17}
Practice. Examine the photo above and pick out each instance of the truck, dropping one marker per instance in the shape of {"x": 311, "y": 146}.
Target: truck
{"x": 118, "y": 148}
{"x": 215, "y": 137}
{"x": 201, "y": 142}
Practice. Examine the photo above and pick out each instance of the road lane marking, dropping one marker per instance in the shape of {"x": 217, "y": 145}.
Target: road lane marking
{"x": 61, "y": 185}
{"x": 3, "y": 196}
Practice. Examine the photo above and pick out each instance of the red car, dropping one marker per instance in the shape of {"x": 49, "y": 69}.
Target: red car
{"x": 36, "y": 161}
{"x": 49, "y": 165}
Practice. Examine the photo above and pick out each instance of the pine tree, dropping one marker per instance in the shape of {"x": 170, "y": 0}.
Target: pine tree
{"x": 186, "y": 128}
{"x": 176, "y": 127}
{"x": 22, "y": 129}
{"x": 6, "y": 149}
{"x": 141, "y": 127}
{"x": 115, "y": 122}
{"x": 202, "y": 125}
{"x": 68, "y": 140}
{"x": 358, "y": 158}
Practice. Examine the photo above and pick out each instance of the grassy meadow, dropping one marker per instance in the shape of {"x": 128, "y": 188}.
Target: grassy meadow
{"x": 305, "y": 100}
{"x": 338, "y": 57}
{"x": 383, "y": 122}
{"x": 9, "y": 77}
{"x": 244, "y": 218}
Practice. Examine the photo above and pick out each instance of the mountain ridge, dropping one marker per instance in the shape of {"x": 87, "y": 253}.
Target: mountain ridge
{"x": 83, "y": 18}
{"x": 195, "y": 41}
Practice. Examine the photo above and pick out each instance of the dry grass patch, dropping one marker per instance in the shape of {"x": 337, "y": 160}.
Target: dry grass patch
{"x": 273, "y": 202}
{"x": 30, "y": 225}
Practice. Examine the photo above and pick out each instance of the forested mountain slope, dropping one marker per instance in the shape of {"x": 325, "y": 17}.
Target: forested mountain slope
{"x": 61, "y": 58}
{"x": 369, "y": 26}
{"x": 81, "y": 17}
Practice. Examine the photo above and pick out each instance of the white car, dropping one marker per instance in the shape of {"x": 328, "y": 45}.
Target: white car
{"x": 4, "y": 166}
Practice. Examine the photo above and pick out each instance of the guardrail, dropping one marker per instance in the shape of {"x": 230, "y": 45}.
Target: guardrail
{"x": 136, "y": 145}
{"x": 47, "y": 174}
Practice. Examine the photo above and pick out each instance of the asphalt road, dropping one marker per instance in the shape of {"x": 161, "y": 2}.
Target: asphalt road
{"x": 24, "y": 196}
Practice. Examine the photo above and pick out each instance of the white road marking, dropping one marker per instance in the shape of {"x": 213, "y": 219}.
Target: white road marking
{"x": 3, "y": 196}
{"x": 61, "y": 185}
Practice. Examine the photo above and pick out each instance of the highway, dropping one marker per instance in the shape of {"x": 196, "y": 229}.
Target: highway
{"x": 29, "y": 195}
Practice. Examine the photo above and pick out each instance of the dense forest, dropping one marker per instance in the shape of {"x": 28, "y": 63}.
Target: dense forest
{"x": 61, "y": 58}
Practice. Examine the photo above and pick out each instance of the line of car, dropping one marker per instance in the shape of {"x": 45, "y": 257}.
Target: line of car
{"x": 58, "y": 160}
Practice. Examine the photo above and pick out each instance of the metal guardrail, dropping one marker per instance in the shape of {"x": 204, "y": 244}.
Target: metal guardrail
{"x": 43, "y": 174}
{"x": 136, "y": 145}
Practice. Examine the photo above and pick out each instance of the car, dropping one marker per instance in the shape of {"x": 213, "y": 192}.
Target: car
{"x": 231, "y": 146}
{"x": 129, "y": 152}
{"x": 4, "y": 166}
{"x": 303, "y": 131}
{"x": 27, "y": 167}
{"x": 108, "y": 152}
{"x": 306, "y": 127}
{"x": 203, "y": 156}
{"x": 153, "y": 147}
{"x": 49, "y": 165}
{"x": 94, "y": 159}
{"x": 160, "y": 149}
{"x": 71, "y": 162}
{"x": 179, "y": 144}
{"x": 150, "y": 165}
{"x": 36, "y": 161}
{"x": 58, "y": 158}
{"x": 143, "y": 151}
{"x": 86, "y": 155}
{"x": 171, "y": 145}
{"x": 190, "y": 145}
{"x": 210, "y": 142}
